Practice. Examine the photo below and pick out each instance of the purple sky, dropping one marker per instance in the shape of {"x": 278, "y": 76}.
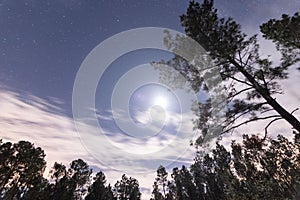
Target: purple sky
{"x": 43, "y": 43}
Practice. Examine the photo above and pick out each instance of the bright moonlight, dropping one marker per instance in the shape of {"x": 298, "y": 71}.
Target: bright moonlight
{"x": 161, "y": 101}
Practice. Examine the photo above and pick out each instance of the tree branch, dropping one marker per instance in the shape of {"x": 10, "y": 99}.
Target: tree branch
{"x": 246, "y": 110}
{"x": 240, "y": 81}
{"x": 250, "y": 120}
{"x": 294, "y": 110}
{"x": 241, "y": 91}
{"x": 266, "y": 128}
{"x": 270, "y": 109}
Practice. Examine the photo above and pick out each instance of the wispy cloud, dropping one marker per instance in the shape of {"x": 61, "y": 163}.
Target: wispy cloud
{"x": 27, "y": 117}
{"x": 130, "y": 149}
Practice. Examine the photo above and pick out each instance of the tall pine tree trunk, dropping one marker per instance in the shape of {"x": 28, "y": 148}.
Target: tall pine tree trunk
{"x": 271, "y": 101}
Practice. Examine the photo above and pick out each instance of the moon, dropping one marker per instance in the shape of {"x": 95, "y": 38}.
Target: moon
{"x": 161, "y": 101}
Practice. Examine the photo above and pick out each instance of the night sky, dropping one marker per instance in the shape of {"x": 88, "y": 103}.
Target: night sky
{"x": 43, "y": 44}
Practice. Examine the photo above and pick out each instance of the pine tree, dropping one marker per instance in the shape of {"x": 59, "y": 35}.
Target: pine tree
{"x": 249, "y": 80}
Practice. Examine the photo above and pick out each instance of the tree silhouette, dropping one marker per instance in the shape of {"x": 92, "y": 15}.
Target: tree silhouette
{"x": 21, "y": 177}
{"x": 127, "y": 189}
{"x": 79, "y": 174}
{"x": 98, "y": 190}
{"x": 162, "y": 179}
{"x": 156, "y": 194}
{"x": 286, "y": 35}
{"x": 185, "y": 188}
{"x": 40, "y": 191}
{"x": 21, "y": 168}
{"x": 254, "y": 169}
{"x": 70, "y": 183}
{"x": 249, "y": 80}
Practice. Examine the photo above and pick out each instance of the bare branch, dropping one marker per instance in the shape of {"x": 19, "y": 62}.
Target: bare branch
{"x": 266, "y": 128}
{"x": 247, "y": 110}
{"x": 294, "y": 110}
{"x": 246, "y": 63}
{"x": 264, "y": 111}
{"x": 240, "y": 81}
{"x": 250, "y": 120}
{"x": 241, "y": 91}
{"x": 240, "y": 58}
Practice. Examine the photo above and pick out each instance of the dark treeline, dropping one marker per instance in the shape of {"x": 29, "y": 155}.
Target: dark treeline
{"x": 253, "y": 169}
{"x": 21, "y": 177}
